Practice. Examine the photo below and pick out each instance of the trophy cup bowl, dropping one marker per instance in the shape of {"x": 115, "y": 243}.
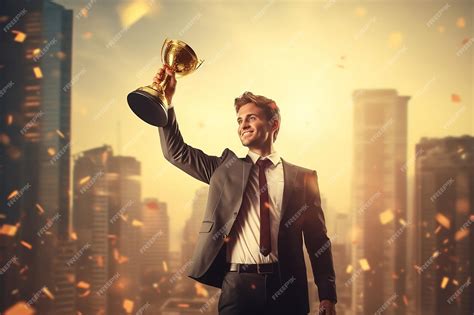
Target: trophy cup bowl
{"x": 149, "y": 102}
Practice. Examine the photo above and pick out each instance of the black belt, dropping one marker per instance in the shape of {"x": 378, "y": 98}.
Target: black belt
{"x": 254, "y": 268}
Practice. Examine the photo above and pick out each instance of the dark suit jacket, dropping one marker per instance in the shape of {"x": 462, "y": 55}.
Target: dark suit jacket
{"x": 301, "y": 215}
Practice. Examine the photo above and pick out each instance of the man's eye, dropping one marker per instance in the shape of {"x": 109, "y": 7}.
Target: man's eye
{"x": 252, "y": 118}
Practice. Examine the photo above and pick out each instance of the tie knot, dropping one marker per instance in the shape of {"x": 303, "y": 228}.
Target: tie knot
{"x": 263, "y": 164}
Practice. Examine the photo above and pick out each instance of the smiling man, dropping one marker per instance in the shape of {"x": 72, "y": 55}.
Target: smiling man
{"x": 260, "y": 209}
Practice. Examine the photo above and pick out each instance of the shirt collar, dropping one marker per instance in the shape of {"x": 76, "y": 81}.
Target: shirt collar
{"x": 274, "y": 157}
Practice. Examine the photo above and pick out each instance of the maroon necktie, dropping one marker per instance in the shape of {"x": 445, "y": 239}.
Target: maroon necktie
{"x": 265, "y": 236}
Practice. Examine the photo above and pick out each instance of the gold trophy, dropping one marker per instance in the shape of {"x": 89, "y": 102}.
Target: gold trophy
{"x": 149, "y": 102}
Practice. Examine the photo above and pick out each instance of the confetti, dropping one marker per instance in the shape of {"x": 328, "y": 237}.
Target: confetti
{"x": 349, "y": 269}
{"x": 20, "y": 308}
{"x": 84, "y": 180}
{"x": 152, "y": 205}
{"x": 26, "y": 244}
{"x": 40, "y": 209}
{"x": 200, "y": 290}
{"x": 137, "y": 223}
{"x": 165, "y": 266}
{"x": 8, "y": 229}
{"x": 12, "y": 194}
{"x": 48, "y": 293}
{"x": 441, "y": 29}
{"x": 360, "y": 11}
{"x": 38, "y": 73}
{"x": 455, "y": 98}
{"x": 443, "y": 220}
{"x": 364, "y": 264}
{"x": 386, "y": 216}
{"x": 83, "y": 285}
{"x": 460, "y": 22}
{"x": 20, "y": 36}
{"x": 461, "y": 234}
{"x": 128, "y": 305}
{"x": 73, "y": 236}
{"x": 60, "y": 133}
{"x": 395, "y": 39}
{"x": 444, "y": 282}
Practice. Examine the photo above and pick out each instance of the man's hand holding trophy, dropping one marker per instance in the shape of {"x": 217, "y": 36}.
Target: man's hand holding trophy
{"x": 150, "y": 102}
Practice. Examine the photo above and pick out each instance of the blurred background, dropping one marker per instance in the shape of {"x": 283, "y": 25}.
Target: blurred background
{"x": 376, "y": 96}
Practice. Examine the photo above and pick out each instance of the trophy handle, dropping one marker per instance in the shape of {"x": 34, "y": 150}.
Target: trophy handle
{"x": 165, "y": 43}
{"x": 200, "y": 61}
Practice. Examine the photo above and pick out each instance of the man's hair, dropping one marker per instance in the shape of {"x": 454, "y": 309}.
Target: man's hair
{"x": 269, "y": 107}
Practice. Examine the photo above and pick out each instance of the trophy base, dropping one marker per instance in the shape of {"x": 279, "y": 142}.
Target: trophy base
{"x": 149, "y": 105}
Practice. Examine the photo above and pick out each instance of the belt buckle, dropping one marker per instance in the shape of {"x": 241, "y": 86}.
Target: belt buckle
{"x": 263, "y": 272}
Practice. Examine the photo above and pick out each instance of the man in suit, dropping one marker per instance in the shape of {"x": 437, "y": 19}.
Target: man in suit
{"x": 259, "y": 210}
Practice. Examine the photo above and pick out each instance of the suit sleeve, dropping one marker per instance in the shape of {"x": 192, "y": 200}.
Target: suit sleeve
{"x": 191, "y": 160}
{"x": 317, "y": 242}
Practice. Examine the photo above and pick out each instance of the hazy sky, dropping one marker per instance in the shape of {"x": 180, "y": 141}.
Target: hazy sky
{"x": 308, "y": 56}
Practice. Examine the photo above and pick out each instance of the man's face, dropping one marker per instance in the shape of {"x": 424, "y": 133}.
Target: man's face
{"x": 253, "y": 127}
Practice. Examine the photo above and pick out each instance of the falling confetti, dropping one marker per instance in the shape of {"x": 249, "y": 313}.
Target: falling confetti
{"x": 128, "y": 305}
{"x": 60, "y": 133}
{"x": 461, "y": 234}
{"x": 26, "y": 244}
{"x": 38, "y": 73}
{"x": 349, "y": 269}
{"x": 40, "y": 209}
{"x": 455, "y": 98}
{"x": 137, "y": 223}
{"x": 48, "y": 293}
{"x": 20, "y": 36}
{"x": 460, "y": 22}
{"x": 441, "y": 29}
{"x": 84, "y": 180}
{"x": 9, "y": 230}
{"x": 364, "y": 264}
{"x": 386, "y": 216}
{"x": 360, "y": 11}
{"x": 165, "y": 266}
{"x": 395, "y": 39}
{"x": 444, "y": 282}
{"x": 20, "y": 308}
{"x": 443, "y": 220}
{"x": 12, "y": 194}
{"x": 83, "y": 285}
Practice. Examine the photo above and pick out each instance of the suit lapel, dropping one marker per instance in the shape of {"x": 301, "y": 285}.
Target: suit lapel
{"x": 289, "y": 174}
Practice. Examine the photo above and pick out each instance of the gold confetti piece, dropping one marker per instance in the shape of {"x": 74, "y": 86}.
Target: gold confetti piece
{"x": 460, "y": 22}
{"x": 2, "y": 216}
{"x": 462, "y": 233}
{"x": 435, "y": 254}
{"x": 20, "y": 36}
{"x": 364, "y": 264}
{"x": 61, "y": 55}
{"x": 84, "y": 12}
{"x": 405, "y": 300}
{"x": 165, "y": 266}
{"x": 20, "y": 308}
{"x": 444, "y": 282}
{"x": 441, "y": 29}
{"x": 395, "y": 39}
{"x": 137, "y": 223}
{"x": 8, "y": 229}
{"x": 386, "y": 216}
{"x": 73, "y": 236}
{"x": 402, "y": 222}
{"x": 360, "y": 11}
{"x": 183, "y": 305}
{"x": 100, "y": 261}
{"x": 455, "y": 98}
{"x": 60, "y": 133}
{"x": 437, "y": 229}
{"x": 87, "y": 35}
{"x": 349, "y": 269}
{"x": 36, "y": 51}
{"x": 40, "y": 208}
{"x": 443, "y": 220}
{"x": 86, "y": 293}
{"x": 84, "y": 180}
{"x": 26, "y": 244}
{"x": 201, "y": 290}
{"x": 445, "y": 241}
{"x": 455, "y": 282}
{"x": 12, "y": 194}
{"x": 9, "y": 119}
{"x": 38, "y": 73}
{"x": 128, "y": 305}
{"x": 48, "y": 293}
{"x": 51, "y": 151}
{"x": 83, "y": 285}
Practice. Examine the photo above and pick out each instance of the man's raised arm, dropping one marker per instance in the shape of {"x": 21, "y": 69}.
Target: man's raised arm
{"x": 191, "y": 160}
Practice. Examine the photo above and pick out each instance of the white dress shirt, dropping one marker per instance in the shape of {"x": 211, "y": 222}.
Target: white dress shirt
{"x": 243, "y": 245}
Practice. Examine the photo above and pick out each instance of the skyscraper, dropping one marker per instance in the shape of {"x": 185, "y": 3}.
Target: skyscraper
{"x": 442, "y": 245}
{"x": 35, "y": 68}
{"x": 91, "y": 224}
{"x": 379, "y": 201}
